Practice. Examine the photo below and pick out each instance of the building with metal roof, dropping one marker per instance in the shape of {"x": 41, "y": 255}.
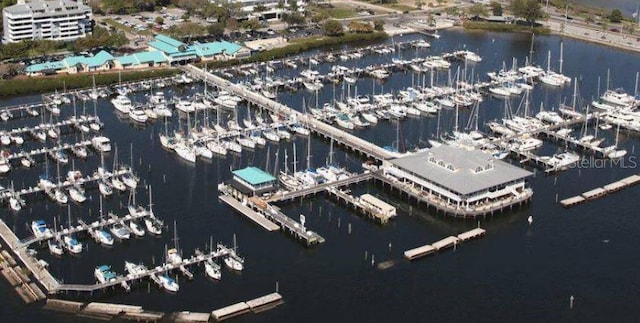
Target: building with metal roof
{"x": 175, "y": 50}
{"x": 459, "y": 178}
{"x": 219, "y": 50}
{"x": 46, "y": 19}
{"x": 252, "y": 181}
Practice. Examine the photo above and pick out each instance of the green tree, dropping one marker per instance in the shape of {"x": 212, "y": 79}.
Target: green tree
{"x": 333, "y": 28}
{"x": 159, "y": 20}
{"x": 357, "y": 26}
{"x": 528, "y": 10}
{"x": 630, "y": 28}
{"x": 216, "y": 30}
{"x": 496, "y": 8}
{"x": 378, "y": 25}
{"x": 259, "y": 8}
{"x": 293, "y": 18}
{"x": 478, "y": 10}
{"x": 615, "y": 16}
{"x": 251, "y": 24}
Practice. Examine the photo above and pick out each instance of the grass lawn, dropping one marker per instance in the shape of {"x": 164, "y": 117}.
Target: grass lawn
{"x": 398, "y": 6}
{"x": 339, "y": 11}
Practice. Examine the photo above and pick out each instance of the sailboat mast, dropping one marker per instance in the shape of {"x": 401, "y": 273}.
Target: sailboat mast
{"x": 561, "y": 55}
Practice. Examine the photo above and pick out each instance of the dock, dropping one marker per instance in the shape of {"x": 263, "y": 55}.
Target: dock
{"x": 31, "y": 263}
{"x": 254, "y": 305}
{"x": 445, "y": 243}
{"x": 249, "y": 213}
{"x": 366, "y": 208}
{"x": 281, "y": 196}
{"x": 325, "y": 130}
{"x": 270, "y": 217}
{"x": 120, "y": 280}
{"x": 599, "y": 192}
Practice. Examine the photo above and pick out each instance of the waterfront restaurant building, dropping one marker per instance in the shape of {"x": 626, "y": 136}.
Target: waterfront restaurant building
{"x": 251, "y": 181}
{"x": 458, "y": 181}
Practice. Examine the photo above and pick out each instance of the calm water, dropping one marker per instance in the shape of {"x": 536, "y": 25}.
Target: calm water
{"x": 516, "y": 273}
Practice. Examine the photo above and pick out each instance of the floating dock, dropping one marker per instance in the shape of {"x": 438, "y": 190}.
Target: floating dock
{"x": 255, "y": 305}
{"x": 447, "y": 242}
{"x": 599, "y": 192}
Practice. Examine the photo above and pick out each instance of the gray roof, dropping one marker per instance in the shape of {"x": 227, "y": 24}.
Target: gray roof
{"x": 465, "y": 178}
{"x": 48, "y": 6}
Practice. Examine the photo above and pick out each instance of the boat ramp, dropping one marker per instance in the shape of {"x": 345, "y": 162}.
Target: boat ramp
{"x": 445, "y": 243}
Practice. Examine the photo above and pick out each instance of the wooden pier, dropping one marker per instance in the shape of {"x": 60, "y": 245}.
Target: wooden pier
{"x": 369, "y": 211}
{"x": 599, "y": 192}
{"x": 270, "y": 217}
{"x": 255, "y": 305}
{"x": 282, "y": 195}
{"x": 316, "y": 126}
{"x": 445, "y": 243}
{"x": 72, "y": 121}
{"x": 198, "y": 258}
{"x": 250, "y": 213}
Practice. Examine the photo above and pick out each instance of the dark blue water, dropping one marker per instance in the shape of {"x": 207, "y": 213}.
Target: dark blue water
{"x": 516, "y": 273}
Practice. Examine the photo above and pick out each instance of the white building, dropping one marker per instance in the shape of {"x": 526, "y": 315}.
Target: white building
{"x": 53, "y": 20}
{"x": 271, "y": 12}
{"x": 460, "y": 182}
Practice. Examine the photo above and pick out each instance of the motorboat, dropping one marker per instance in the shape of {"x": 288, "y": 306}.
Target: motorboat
{"x": 60, "y": 196}
{"x": 101, "y": 144}
{"x": 104, "y": 237}
{"x": 120, "y": 231}
{"x": 168, "y": 283}
{"x": 104, "y": 274}
{"x": 122, "y": 103}
{"x": 39, "y": 229}
{"x": 138, "y": 115}
{"x": 71, "y": 244}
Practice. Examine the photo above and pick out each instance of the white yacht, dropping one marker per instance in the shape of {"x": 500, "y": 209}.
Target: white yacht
{"x": 39, "y": 229}
{"x": 185, "y": 106}
{"x": 105, "y": 189}
{"x": 169, "y": 283}
{"x": 212, "y": 269}
{"x": 136, "y": 228}
{"x": 153, "y": 226}
{"x": 54, "y": 247}
{"x": 133, "y": 269}
{"x": 60, "y": 196}
{"x": 104, "y": 237}
{"x": 104, "y": 274}
{"x": 118, "y": 184}
{"x": 101, "y": 144}
{"x": 77, "y": 193}
{"x": 185, "y": 152}
{"x": 120, "y": 231}
{"x": 157, "y": 98}
{"x": 138, "y": 115}
{"x": 173, "y": 257}
{"x": 73, "y": 245}
{"x": 122, "y": 103}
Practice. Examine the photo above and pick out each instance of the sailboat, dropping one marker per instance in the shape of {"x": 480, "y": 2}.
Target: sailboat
{"x": 70, "y": 243}
{"x": 233, "y": 261}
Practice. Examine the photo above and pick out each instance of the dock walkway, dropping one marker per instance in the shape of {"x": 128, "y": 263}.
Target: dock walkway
{"x": 599, "y": 192}
{"x": 325, "y": 130}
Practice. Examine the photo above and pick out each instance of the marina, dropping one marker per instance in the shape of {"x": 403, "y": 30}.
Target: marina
{"x": 408, "y": 163}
